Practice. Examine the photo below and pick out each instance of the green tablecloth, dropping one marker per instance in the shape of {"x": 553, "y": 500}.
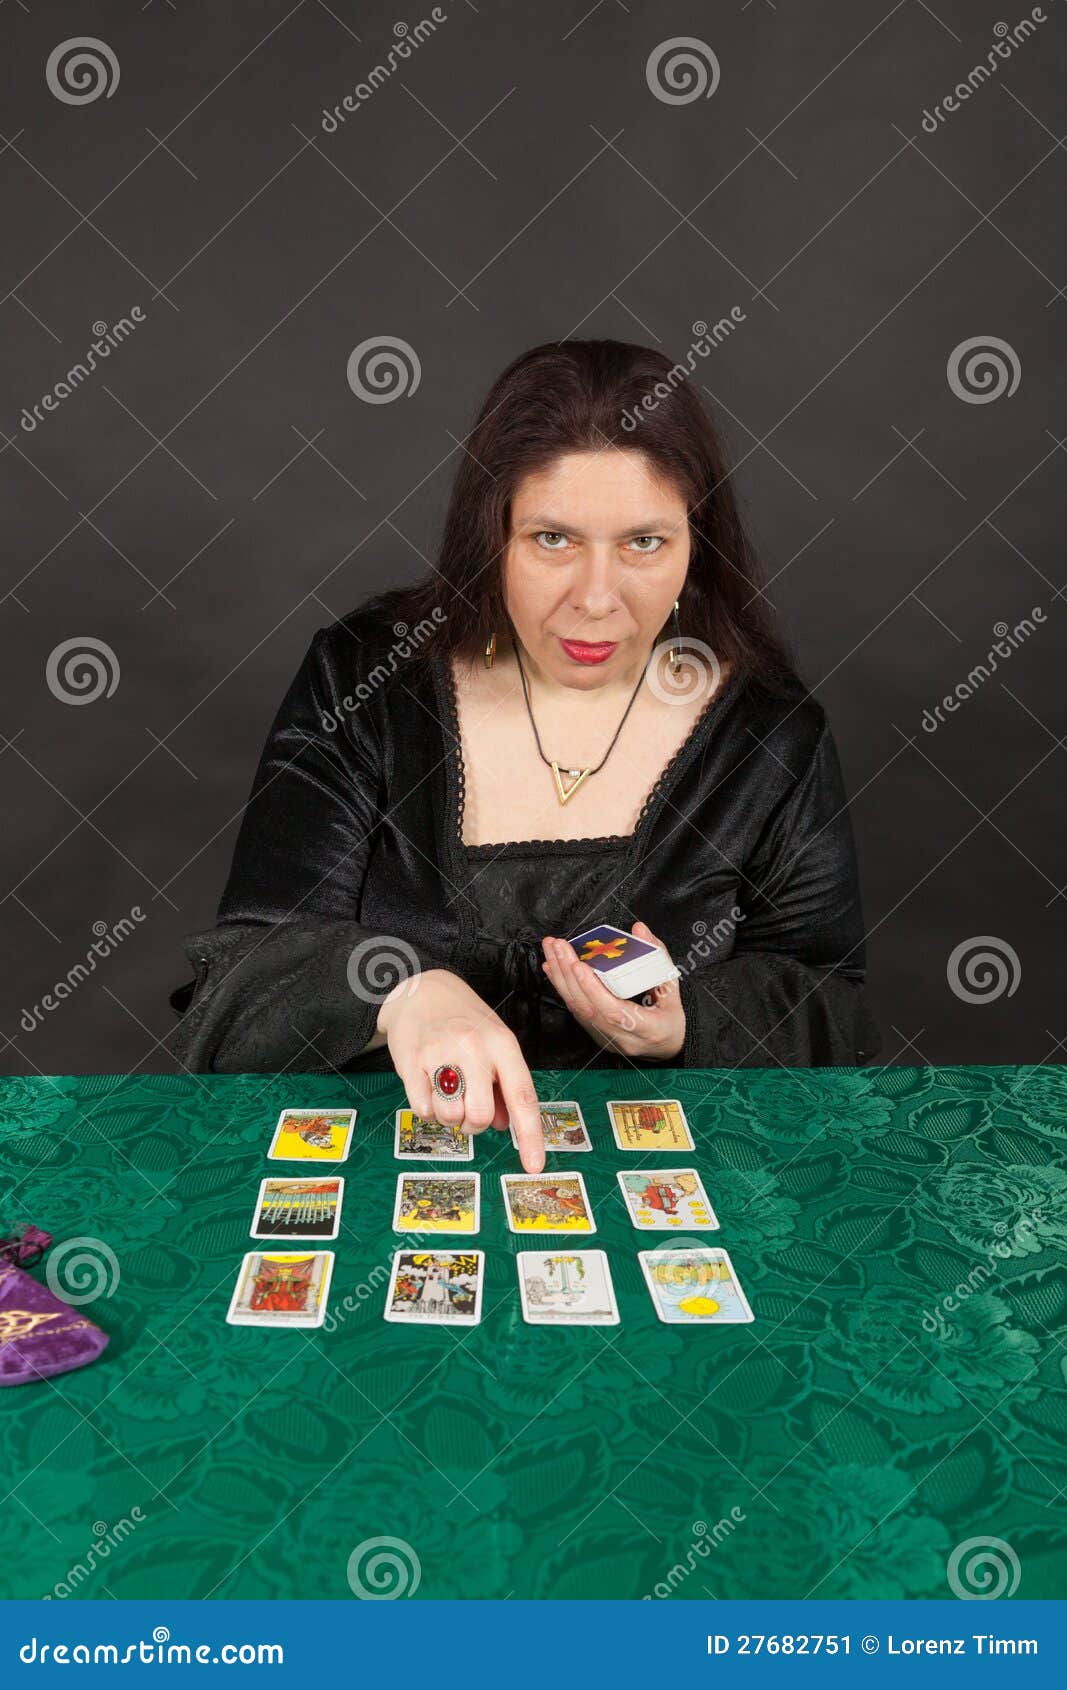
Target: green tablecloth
{"x": 845, "y": 1444}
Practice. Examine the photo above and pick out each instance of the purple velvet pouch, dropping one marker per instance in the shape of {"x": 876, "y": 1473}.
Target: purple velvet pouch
{"x": 39, "y": 1333}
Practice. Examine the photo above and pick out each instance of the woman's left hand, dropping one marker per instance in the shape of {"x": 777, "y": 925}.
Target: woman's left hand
{"x": 617, "y": 1023}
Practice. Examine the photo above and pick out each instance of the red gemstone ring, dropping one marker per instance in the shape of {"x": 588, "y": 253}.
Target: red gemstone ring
{"x": 448, "y": 1081}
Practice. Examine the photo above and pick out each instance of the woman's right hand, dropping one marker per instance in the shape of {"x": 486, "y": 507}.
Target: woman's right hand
{"x": 435, "y": 1018}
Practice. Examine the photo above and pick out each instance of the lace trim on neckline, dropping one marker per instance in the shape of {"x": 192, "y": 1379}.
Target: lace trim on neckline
{"x": 539, "y": 846}
{"x": 546, "y": 847}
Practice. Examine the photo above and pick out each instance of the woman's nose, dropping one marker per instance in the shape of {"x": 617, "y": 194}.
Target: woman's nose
{"x": 597, "y": 578}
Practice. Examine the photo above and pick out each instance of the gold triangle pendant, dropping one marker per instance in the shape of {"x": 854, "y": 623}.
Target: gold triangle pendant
{"x": 567, "y": 793}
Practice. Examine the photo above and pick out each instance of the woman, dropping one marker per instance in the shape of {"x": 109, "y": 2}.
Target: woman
{"x": 581, "y": 716}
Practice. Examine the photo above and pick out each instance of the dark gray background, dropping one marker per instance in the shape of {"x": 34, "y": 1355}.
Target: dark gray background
{"x": 217, "y": 491}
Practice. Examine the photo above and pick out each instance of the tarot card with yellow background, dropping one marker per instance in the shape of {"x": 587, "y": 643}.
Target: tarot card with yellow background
{"x": 418, "y": 1139}
{"x": 547, "y": 1203}
{"x": 312, "y": 1135}
{"x": 436, "y": 1203}
{"x": 656, "y": 1124}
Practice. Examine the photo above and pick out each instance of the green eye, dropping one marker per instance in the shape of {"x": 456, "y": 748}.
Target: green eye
{"x": 647, "y": 543}
{"x": 550, "y": 540}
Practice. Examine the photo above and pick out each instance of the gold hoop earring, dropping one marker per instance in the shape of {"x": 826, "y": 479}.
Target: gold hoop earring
{"x": 490, "y": 651}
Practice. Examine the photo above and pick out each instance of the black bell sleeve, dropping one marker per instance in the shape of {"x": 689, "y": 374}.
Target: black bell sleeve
{"x": 282, "y": 980}
{"x": 792, "y": 991}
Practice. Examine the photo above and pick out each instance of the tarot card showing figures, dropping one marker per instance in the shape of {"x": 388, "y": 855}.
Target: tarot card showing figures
{"x": 659, "y": 1124}
{"x": 563, "y": 1127}
{"x": 298, "y": 1209}
{"x": 418, "y": 1139}
{"x": 436, "y": 1287}
{"x": 566, "y": 1288}
{"x": 312, "y": 1135}
{"x": 436, "y": 1203}
{"x": 282, "y": 1290}
{"x": 668, "y": 1200}
{"x": 547, "y": 1203}
{"x": 694, "y": 1287}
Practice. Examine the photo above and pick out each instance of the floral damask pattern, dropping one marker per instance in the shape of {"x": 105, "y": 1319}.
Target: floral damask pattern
{"x": 900, "y": 1233}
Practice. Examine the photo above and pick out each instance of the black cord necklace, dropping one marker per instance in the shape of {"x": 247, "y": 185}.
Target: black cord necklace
{"x": 577, "y": 776}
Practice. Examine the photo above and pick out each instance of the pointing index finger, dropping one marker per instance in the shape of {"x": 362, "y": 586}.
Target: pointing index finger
{"x": 520, "y": 1097}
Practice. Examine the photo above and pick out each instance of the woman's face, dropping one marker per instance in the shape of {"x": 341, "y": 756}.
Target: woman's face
{"x": 597, "y": 555}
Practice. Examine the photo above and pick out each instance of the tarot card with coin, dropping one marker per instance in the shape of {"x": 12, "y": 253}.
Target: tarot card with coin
{"x": 667, "y": 1200}
{"x": 695, "y": 1287}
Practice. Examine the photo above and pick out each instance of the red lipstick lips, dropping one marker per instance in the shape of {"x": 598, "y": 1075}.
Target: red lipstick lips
{"x": 584, "y": 651}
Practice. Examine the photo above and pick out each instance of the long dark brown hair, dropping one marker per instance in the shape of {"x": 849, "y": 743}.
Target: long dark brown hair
{"x": 591, "y": 395}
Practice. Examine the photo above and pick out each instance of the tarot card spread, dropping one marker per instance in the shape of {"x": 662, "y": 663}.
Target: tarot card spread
{"x": 694, "y": 1287}
{"x": 436, "y": 1203}
{"x": 566, "y": 1288}
{"x": 547, "y": 1203}
{"x": 418, "y": 1139}
{"x": 312, "y": 1135}
{"x": 658, "y": 1124}
{"x": 282, "y": 1289}
{"x": 562, "y": 1126}
{"x": 298, "y": 1208}
{"x": 667, "y": 1200}
{"x": 436, "y": 1287}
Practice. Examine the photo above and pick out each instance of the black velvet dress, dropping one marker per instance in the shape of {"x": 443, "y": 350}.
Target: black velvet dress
{"x": 350, "y": 866}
